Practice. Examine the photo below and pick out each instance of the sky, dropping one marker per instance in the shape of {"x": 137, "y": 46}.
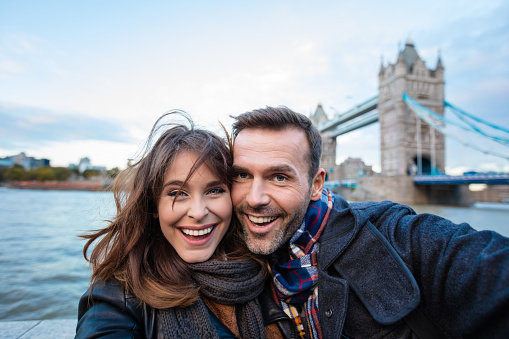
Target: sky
{"x": 90, "y": 78}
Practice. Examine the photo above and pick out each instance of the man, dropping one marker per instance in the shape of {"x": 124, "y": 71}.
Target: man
{"x": 358, "y": 270}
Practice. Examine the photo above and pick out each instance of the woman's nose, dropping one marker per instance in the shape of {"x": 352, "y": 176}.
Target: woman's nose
{"x": 198, "y": 209}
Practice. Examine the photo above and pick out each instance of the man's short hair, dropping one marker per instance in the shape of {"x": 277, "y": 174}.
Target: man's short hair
{"x": 277, "y": 119}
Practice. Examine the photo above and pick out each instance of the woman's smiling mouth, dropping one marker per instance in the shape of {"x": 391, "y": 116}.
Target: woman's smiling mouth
{"x": 196, "y": 234}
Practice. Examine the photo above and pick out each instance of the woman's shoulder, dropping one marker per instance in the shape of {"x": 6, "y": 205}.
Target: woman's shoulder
{"x": 108, "y": 308}
{"x": 110, "y": 291}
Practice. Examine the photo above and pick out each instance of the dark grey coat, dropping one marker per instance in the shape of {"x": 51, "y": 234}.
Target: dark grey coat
{"x": 379, "y": 261}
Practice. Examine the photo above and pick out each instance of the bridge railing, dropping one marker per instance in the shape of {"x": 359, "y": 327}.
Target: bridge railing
{"x": 341, "y": 183}
{"x": 492, "y": 179}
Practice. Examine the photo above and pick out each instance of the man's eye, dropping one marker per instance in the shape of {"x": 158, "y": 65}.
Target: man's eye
{"x": 242, "y": 175}
{"x": 279, "y": 177}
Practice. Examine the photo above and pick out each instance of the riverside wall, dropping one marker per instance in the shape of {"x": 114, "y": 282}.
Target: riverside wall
{"x": 38, "y": 329}
{"x": 403, "y": 190}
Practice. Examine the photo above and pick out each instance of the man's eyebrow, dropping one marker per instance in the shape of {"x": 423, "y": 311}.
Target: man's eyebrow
{"x": 282, "y": 168}
{"x": 272, "y": 169}
{"x": 238, "y": 169}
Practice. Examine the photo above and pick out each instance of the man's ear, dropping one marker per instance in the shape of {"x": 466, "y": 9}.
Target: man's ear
{"x": 317, "y": 185}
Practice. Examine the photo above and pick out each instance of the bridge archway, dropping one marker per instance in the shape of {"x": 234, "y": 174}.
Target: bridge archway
{"x": 426, "y": 167}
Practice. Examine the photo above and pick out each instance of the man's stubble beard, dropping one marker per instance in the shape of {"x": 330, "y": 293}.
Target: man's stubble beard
{"x": 282, "y": 235}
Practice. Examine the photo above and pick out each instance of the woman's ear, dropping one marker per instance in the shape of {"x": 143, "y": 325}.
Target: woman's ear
{"x": 155, "y": 215}
{"x": 317, "y": 184}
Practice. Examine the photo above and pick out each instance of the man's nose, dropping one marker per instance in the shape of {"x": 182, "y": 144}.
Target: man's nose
{"x": 198, "y": 209}
{"x": 257, "y": 195}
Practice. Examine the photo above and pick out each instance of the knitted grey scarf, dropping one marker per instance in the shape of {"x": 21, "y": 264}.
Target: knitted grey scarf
{"x": 237, "y": 282}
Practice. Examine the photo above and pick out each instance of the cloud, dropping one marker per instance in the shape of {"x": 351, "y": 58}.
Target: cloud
{"x": 10, "y": 66}
{"x": 14, "y": 49}
{"x": 21, "y": 44}
{"x": 26, "y": 127}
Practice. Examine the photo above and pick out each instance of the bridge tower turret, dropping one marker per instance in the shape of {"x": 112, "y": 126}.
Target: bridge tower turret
{"x": 408, "y": 144}
{"x": 328, "y": 158}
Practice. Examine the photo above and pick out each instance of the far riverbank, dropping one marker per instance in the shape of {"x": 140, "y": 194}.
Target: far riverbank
{"x": 58, "y": 185}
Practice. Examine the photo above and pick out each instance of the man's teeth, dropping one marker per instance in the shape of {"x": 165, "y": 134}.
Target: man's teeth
{"x": 197, "y": 233}
{"x": 261, "y": 220}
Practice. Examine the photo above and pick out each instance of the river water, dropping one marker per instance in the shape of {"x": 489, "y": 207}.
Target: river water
{"x": 42, "y": 269}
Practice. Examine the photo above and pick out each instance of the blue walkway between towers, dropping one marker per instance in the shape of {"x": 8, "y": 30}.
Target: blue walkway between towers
{"x": 490, "y": 179}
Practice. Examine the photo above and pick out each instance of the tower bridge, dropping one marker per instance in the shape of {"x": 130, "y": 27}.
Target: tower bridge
{"x": 410, "y": 108}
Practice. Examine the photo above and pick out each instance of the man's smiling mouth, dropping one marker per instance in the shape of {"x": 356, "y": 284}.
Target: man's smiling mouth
{"x": 261, "y": 221}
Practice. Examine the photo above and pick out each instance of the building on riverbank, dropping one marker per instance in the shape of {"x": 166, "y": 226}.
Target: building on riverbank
{"x": 23, "y": 160}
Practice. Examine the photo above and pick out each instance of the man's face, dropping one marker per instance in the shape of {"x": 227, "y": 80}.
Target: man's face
{"x": 271, "y": 190}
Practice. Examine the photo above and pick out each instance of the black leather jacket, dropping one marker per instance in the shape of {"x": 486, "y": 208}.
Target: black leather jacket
{"x": 111, "y": 312}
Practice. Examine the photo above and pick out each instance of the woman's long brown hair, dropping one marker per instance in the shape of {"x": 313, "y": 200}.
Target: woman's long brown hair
{"x": 132, "y": 248}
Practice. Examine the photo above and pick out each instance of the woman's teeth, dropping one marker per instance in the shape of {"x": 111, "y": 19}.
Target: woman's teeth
{"x": 197, "y": 233}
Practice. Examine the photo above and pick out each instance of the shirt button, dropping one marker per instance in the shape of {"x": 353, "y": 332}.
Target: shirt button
{"x": 328, "y": 313}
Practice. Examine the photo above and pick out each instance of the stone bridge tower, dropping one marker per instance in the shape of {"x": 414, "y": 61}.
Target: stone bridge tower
{"x": 328, "y": 158}
{"x": 408, "y": 144}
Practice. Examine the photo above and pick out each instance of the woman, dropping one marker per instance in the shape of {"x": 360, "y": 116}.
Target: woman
{"x": 169, "y": 264}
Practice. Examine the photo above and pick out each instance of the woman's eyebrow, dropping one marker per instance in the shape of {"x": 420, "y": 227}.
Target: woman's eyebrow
{"x": 178, "y": 183}
{"x": 215, "y": 183}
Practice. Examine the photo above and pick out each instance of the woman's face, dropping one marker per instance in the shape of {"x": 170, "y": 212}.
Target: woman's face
{"x": 195, "y": 221}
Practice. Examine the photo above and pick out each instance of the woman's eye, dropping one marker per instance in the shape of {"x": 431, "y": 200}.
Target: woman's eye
{"x": 217, "y": 190}
{"x": 174, "y": 193}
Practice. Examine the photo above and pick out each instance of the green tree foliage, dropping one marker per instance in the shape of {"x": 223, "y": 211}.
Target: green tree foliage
{"x": 2, "y": 173}
{"x": 62, "y": 173}
{"x": 112, "y": 173}
{"x": 31, "y": 174}
{"x": 15, "y": 173}
{"x": 45, "y": 174}
{"x": 89, "y": 173}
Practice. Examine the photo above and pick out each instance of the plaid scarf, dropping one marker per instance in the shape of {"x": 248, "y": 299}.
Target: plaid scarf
{"x": 294, "y": 282}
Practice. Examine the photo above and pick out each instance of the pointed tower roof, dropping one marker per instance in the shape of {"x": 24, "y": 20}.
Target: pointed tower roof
{"x": 439, "y": 62}
{"x": 409, "y": 54}
{"x": 381, "y": 65}
{"x": 319, "y": 116}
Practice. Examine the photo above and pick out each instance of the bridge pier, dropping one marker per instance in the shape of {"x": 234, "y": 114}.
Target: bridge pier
{"x": 457, "y": 195}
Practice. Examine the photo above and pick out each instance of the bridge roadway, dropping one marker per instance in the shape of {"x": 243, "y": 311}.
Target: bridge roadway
{"x": 490, "y": 179}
